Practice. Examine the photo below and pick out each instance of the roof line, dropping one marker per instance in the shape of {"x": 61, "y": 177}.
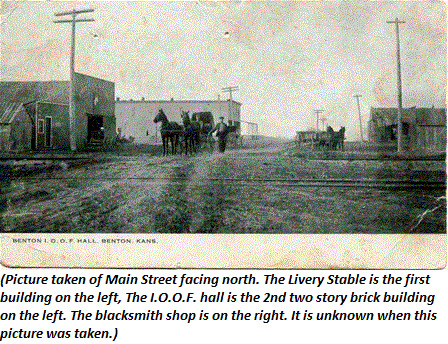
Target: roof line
{"x": 59, "y": 80}
{"x": 53, "y": 103}
{"x": 175, "y": 101}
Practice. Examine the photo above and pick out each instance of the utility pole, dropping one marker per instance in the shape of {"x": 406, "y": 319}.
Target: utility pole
{"x": 317, "y": 112}
{"x": 357, "y": 96}
{"x": 229, "y": 90}
{"x": 323, "y": 120}
{"x": 399, "y": 96}
{"x": 71, "y": 102}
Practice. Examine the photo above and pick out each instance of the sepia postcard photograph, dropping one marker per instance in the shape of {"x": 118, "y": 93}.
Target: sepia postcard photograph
{"x": 223, "y": 134}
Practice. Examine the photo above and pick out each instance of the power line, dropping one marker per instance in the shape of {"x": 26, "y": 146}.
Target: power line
{"x": 71, "y": 102}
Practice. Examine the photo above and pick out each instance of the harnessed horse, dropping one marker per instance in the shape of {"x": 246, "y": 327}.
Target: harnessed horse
{"x": 192, "y": 133}
{"x": 330, "y": 139}
{"x": 338, "y": 139}
{"x": 206, "y": 124}
{"x": 170, "y": 132}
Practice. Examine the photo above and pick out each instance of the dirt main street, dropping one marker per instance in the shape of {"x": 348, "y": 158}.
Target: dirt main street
{"x": 241, "y": 191}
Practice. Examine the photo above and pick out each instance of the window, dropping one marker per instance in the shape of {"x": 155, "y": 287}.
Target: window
{"x": 40, "y": 126}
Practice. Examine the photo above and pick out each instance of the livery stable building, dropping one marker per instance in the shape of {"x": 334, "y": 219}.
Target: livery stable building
{"x": 135, "y": 118}
{"x": 34, "y": 115}
{"x": 424, "y": 129}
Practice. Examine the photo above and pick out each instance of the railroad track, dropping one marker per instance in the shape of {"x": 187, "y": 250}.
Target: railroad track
{"x": 340, "y": 183}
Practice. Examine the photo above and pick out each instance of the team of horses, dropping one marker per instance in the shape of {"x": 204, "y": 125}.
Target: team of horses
{"x": 187, "y": 138}
{"x": 324, "y": 140}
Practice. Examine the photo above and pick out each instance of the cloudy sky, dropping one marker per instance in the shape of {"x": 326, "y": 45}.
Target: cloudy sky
{"x": 288, "y": 58}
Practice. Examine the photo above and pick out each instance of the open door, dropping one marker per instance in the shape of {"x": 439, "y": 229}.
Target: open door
{"x": 95, "y": 128}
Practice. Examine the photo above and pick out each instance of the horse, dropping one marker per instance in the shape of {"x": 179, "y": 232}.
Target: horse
{"x": 170, "y": 132}
{"x": 206, "y": 124}
{"x": 324, "y": 139}
{"x": 338, "y": 139}
{"x": 232, "y": 135}
{"x": 192, "y": 132}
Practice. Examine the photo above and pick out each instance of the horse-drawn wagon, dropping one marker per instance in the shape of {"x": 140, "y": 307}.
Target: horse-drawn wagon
{"x": 323, "y": 140}
{"x": 305, "y": 138}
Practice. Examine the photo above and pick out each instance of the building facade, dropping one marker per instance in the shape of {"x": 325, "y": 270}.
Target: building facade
{"x": 15, "y": 127}
{"x": 423, "y": 128}
{"x": 46, "y": 104}
{"x": 135, "y": 118}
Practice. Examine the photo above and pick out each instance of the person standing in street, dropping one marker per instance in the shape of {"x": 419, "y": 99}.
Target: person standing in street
{"x": 221, "y": 132}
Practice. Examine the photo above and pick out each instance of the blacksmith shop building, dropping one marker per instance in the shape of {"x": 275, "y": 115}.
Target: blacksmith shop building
{"x": 424, "y": 129}
{"x": 135, "y": 118}
{"x": 35, "y": 114}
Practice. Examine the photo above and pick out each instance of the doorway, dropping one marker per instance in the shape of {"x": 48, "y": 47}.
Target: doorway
{"x": 95, "y": 128}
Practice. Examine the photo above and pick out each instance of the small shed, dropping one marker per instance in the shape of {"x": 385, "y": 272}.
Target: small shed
{"x": 15, "y": 127}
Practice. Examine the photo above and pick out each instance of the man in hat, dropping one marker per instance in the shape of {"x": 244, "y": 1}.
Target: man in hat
{"x": 221, "y": 132}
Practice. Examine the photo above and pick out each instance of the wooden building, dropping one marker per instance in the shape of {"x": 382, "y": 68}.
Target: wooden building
{"x": 424, "y": 129}
{"x": 15, "y": 127}
{"x": 46, "y": 105}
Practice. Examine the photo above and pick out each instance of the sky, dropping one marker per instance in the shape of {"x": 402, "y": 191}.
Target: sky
{"x": 287, "y": 58}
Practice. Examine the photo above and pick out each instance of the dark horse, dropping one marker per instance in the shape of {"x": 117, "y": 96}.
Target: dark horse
{"x": 206, "y": 124}
{"x": 170, "y": 132}
{"x": 192, "y": 133}
{"x": 330, "y": 139}
{"x": 324, "y": 139}
{"x": 338, "y": 139}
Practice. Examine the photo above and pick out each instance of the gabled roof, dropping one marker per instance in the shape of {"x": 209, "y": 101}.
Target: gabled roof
{"x": 430, "y": 117}
{"x": 30, "y": 91}
{"x": 8, "y": 111}
{"x": 175, "y": 101}
{"x": 419, "y": 116}
{"x": 390, "y": 114}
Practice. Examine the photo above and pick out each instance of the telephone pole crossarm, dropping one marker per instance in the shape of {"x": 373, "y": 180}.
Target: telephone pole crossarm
{"x": 71, "y": 20}
{"x": 88, "y": 10}
{"x": 71, "y": 102}
{"x": 230, "y": 89}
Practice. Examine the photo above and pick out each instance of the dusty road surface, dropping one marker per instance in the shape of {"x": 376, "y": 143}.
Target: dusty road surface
{"x": 260, "y": 190}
